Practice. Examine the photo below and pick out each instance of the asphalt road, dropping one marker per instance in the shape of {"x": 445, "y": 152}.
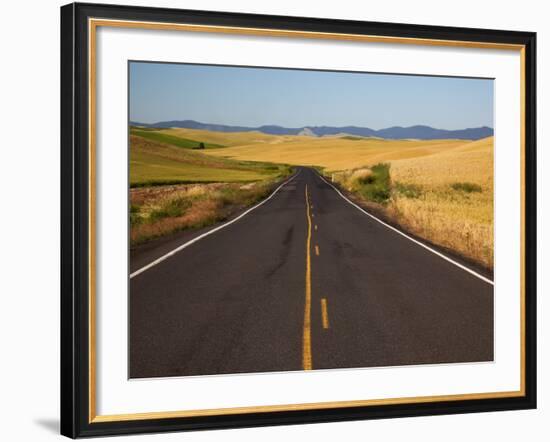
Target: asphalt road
{"x": 304, "y": 281}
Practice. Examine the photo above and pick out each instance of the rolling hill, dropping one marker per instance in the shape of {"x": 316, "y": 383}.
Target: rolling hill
{"x": 333, "y": 153}
{"x": 393, "y": 133}
{"x": 156, "y": 163}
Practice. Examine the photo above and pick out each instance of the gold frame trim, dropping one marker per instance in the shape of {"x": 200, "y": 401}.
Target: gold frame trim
{"x": 93, "y": 24}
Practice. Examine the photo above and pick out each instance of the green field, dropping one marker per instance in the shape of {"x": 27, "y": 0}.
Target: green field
{"x": 150, "y": 169}
{"x": 155, "y": 163}
{"x": 185, "y": 143}
{"x": 352, "y": 138}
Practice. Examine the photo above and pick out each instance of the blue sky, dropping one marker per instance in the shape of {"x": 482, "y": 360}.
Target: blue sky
{"x": 296, "y": 98}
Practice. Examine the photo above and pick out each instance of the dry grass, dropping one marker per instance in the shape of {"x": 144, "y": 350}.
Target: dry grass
{"x": 455, "y": 206}
{"x": 462, "y": 223}
{"x": 159, "y": 211}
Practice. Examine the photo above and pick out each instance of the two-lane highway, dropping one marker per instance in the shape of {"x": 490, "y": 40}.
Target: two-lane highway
{"x": 304, "y": 281}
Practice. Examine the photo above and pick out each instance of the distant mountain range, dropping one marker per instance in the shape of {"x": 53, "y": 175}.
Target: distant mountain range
{"x": 392, "y": 133}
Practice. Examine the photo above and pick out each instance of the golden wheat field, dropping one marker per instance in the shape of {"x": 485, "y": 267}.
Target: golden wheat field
{"x": 334, "y": 154}
{"x": 452, "y": 180}
{"x": 447, "y": 212}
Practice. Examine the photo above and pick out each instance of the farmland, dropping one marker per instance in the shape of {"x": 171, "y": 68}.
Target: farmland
{"x": 175, "y": 187}
{"x": 331, "y": 153}
{"x": 156, "y": 163}
{"x": 439, "y": 190}
{"x": 162, "y": 137}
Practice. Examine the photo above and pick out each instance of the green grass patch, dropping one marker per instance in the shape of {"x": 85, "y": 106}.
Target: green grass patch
{"x": 150, "y": 169}
{"x": 153, "y": 163}
{"x": 407, "y": 190}
{"x": 466, "y": 187}
{"x": 135, "y": 215}
{"x": 376, "y": 186}
{"x": 170, "y": 209}
{"x": 272, "y": 169}
{"x": 172, "y": 140}
{"x": 132, "y": 128}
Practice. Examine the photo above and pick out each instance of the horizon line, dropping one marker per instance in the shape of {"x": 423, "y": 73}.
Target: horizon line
{"x": 308, "y": 126}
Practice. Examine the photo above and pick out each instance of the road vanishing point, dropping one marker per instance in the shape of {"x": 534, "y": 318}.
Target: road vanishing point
{"x": 303, "y": 280}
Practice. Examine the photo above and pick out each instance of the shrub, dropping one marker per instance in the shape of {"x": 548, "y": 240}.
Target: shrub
{"x": 375, "y": 186}
{"x": 362, "y": 176}
{"x": 466, "y": 187}
{"x": 407, "y": 190}
{"x": 135, "y": 215}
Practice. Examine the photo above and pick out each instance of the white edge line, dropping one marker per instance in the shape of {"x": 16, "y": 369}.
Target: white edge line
{"x": 477, "y": 275}
{"x": 210, "y": 232}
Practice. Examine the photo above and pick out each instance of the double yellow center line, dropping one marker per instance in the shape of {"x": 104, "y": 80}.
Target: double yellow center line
{"x": 307, "y": 358}
{"x": 307, "y": 363}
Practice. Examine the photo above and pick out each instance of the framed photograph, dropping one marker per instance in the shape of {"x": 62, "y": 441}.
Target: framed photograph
{"x": 275, "y": 220}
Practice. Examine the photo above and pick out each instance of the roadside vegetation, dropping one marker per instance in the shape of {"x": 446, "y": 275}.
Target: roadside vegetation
{"x": 159, "y": 211}
{"x": 372, "y": 183}
{"x": 446, "y": 198}
{"x": 174, "y": 186}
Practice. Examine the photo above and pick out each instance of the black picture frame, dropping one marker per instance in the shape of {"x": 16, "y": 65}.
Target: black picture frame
{"x": 75, "y": 219}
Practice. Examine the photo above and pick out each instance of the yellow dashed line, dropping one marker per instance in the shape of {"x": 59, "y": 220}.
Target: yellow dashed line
{"x": 324, "y": 312}
{"x": 317, "y": 250}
